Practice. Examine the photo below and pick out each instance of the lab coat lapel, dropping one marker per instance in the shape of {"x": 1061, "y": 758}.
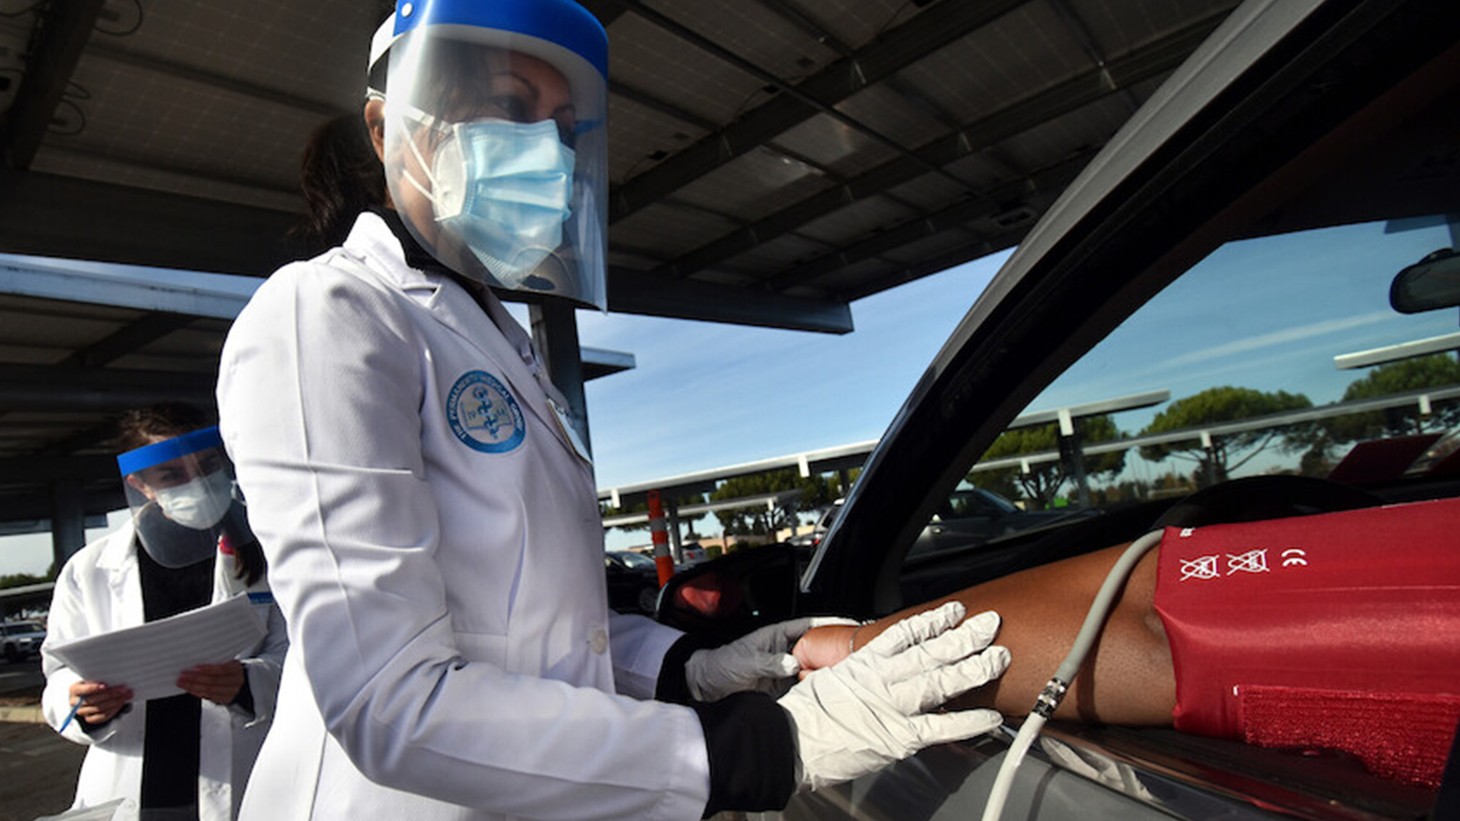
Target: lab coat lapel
{"x": 488, "y": 327}
{"x": 492, "y": 332}
{"x": 119, "y": 560}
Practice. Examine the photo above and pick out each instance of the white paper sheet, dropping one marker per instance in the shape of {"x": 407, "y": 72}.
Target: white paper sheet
{"x": 149, "y": 657}
{"x": 117, "y": 808}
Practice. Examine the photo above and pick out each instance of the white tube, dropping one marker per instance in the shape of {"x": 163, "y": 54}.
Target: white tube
{"x": 1055, "y": 690}
{"x": 1005, "y": 779}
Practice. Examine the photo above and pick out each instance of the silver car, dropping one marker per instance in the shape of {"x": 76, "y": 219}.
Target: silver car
{"x": 21, "y": 639}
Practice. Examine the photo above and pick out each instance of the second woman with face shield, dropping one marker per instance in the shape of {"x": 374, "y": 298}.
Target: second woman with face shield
{"x": 429, "y": 506}
{"x": 187, "y": 544}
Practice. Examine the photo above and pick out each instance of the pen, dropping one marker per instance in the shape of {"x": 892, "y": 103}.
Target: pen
{"x": 72, "y": 714}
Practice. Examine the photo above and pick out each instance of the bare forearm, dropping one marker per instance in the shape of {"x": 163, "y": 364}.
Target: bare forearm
{"x": 1126, "y": 680}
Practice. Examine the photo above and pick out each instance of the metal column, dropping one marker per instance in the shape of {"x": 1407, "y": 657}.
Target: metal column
{"x": 555, "y": 330}
{"x": 68, "y": 520}
{"x": 676, "y": 547}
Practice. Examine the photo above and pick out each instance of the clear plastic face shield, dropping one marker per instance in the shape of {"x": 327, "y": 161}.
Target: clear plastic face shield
{"x": 495, "y": 148}
{"x": 183, "y": 498}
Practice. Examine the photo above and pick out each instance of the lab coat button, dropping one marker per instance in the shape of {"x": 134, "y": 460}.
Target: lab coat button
{"x": 598, "y": 640}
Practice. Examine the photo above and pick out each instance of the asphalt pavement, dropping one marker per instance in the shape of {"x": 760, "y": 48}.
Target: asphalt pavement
{"x": 38, "y": 768}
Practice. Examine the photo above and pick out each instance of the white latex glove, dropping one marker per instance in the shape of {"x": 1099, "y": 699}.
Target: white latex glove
{"x": 871, "y": 709}
{"x": 760, "y": 661}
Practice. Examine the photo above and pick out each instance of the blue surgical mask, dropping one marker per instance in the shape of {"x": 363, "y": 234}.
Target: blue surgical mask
{"x": 503, "y": 189}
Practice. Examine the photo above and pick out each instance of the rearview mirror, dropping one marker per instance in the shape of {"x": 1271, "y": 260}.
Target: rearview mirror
{"x": 1431, "y": 283}
{"x": 726, "y": 598}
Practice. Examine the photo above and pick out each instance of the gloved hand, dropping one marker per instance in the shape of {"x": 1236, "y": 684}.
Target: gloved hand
{"x": 871, "y": 709}
{"x": 759, "y": 661}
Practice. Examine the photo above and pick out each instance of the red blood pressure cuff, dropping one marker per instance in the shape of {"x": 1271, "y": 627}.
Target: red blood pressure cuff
{"x": 1337, "y": 631}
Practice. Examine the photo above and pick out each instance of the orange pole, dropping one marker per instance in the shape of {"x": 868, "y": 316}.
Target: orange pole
{"x": 659, "y": 532}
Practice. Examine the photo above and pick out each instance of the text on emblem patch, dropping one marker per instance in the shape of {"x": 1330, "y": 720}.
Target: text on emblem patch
{"x": 483, "y": 413}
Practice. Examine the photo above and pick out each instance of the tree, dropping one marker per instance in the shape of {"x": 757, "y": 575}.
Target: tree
{"x": 1434, "y": 371}
{"x": 761, "y": 520}
{"x": 1231, "y": 451}
{"x": 1043, "y": 481}
{"x": 22, "y": 580}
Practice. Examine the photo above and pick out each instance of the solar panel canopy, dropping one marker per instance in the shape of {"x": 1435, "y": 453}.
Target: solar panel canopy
{"x": 771, "y": 162}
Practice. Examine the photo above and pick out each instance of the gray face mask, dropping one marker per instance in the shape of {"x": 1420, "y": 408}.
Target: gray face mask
{"x": 170, "y": 544}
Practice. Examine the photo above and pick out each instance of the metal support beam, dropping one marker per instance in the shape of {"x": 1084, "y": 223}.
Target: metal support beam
{"x": 606, "y": 11}
{"x": 927, "y": 266}
{"x": 17, "y": 470}
{"x": 785, "y": 88}
{"x": 1076, "y": 24}
{"x": 1071, "y": 447}
{"x": 1052, "y": 180}
{"x": 112, "y": 223}
{"x": 676, "y": 547}
{"x": 131, "y": 338}
{"x": 196, "y": 74}
{"x": 31, "y": 505}
{"x": 1395, "y": 353}
{"x": 116, "y": 223}
{"x": 935, "y": 27}
{"x": 64, "y": 32}
{"x": 640, "y": 292}
{"x": 68, "y": 520}
{"x": 555, "y": 330}
{"x": 39, "y": 387}
{"x": 92, "y": 437}
{"x": 1141, "y": 64}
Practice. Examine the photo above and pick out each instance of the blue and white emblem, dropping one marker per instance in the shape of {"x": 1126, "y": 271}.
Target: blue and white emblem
{"x": 483, "y": 413}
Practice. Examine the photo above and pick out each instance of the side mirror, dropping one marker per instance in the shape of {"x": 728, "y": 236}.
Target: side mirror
{"x": 1431, "y": 283}
{"x": 726, "y": 598}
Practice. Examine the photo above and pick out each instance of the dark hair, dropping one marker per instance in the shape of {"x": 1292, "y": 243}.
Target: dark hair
{"x": 165, "y": 420}
{"x": 340, "y": 177}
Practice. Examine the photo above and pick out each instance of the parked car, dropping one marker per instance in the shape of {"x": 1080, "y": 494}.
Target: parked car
{"x": 974, "y": 516}
{"x": 1232, "y": 244}
{"x": 691, "y": 554}
{"x": 21, "y": 639}
{"x": 823, "y": 524}
{"x": 633, "y": 581}
{"x": 971, "y": 516}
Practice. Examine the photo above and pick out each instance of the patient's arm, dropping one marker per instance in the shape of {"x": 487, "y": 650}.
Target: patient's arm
{"x": 1126, "y": 679}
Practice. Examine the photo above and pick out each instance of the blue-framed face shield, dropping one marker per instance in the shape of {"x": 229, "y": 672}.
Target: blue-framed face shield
{"x": 182, "y": 494}
{"x": 496, "y": 154}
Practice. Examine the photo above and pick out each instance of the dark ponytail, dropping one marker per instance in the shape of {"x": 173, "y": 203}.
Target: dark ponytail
{"x": 340, "y": 177}
{"x": 248, "y": 554}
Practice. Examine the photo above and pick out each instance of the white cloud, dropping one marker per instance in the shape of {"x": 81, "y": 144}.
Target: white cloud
{"x": 1271, "y": 340}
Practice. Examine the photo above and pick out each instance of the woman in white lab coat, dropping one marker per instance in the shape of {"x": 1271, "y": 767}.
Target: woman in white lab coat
{"x": 428, "y": 506}
{"x": 147, "y": 753}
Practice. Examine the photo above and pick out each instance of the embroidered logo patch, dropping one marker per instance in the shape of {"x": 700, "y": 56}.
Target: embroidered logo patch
{"x": 483, "y": 413}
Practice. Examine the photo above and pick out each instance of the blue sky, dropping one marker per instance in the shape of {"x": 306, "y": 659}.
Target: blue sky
{"x": 1277, "y": 332}
{"x": 706, "y": 395}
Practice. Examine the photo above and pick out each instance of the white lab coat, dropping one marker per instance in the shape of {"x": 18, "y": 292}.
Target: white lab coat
{"x": 100, "y": 590}
{"x": 438, "y": 559}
